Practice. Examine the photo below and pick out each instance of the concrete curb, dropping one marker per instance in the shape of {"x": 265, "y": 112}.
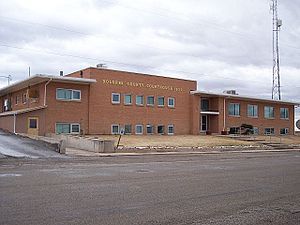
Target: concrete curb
{"x": 84, "y": 154}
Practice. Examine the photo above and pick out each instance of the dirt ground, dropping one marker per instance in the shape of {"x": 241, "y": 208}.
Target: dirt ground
{"x": 196, "y": 140}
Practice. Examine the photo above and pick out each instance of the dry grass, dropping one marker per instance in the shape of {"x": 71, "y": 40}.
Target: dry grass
{"x": 194, "y": 140}
{"x": 173, "y": 141}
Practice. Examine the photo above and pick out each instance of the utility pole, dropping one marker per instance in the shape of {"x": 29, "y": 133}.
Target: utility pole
{"x": 277, "y": 23}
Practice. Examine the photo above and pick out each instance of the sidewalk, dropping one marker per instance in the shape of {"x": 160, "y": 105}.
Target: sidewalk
{"x": 78, "y": 152}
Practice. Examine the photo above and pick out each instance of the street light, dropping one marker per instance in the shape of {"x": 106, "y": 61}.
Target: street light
{"x": 8, "y": 78}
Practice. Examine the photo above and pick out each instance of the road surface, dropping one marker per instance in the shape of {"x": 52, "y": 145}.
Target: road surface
{"x": 235, "y": 188}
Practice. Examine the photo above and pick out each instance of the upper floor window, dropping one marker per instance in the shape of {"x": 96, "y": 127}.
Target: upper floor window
{"x": 252, "y": 110}
{"x": 139, "y": 100}
{"x": 204, "y": 104}
{"x": 171, "y": 102}
{"x": 127, "y": 99}
{"x": 24, "y": 98}
{"x": 150, "y": 100}
{"x": 161, "y": 101}
{"x": 234, "y": 109}
{"x": 284, "y": 113}
{"x": 115, "y": 98}
{"x": 17, "y": 99}
{"x": 68, "y": 94}
{"x": 269, "y": 112}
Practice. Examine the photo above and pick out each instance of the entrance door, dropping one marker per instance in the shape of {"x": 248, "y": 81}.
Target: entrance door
{"x": 33, "y": 125}
{"x": 204, "y": 123}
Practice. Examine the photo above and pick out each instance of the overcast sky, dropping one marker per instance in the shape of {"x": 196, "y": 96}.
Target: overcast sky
{"x": 222, "y": 44}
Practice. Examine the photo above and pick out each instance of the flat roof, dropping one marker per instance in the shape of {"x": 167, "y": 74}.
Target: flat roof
{"x": 242, "y": 97}
{"x": 39, "y": 78}
{"x": 135, "y": 73}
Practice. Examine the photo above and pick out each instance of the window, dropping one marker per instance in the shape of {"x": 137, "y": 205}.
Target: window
{"x": 170, "y": 129}
{"x": 160, "y": 129}
{"x": 127, "y": 99}
{"x": 115, "y": 129}
{"x": 17, "y": 99}
{"x": 269, "y": 112}
{"x": 161, "y": 101}
{"x": 115, "y": 98}
{"x": 7, "y": 105}
{"x": 284, "y": 131}
{"x": 234, "y": 109}
{"x": 67, "y": 128}
{"x": 149, "y": 129}
{"x": 171, "y": 102}
{"x": 75, "y": 128}
{"x": 139, "y": 100}
{"x": 252, "y": 110}
{"x": 269, "y": 131}
{"x": 256, "y": 130}
{"x": 68, "y": 94}
{"x": 284, "y": 113}
{"x": 32, "y": 123}
{"x": 127, "y": 128}
{"x": 24, "y": 98}
{"x": 139, "y": 129}
{"x": 150, "y": 100}
{"x": 204, "y": 104}
{"x": 234, "y": 130}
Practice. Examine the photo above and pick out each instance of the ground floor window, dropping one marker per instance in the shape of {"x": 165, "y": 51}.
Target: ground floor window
{"x": 67, "y": 128}
{"x": 127, "y": 128}
{"x": 115, "y": 129}
{"x": 33, "y": 123}
{"x": 139, "y": 129}
{"x": 284, "y": 131}
{"x": 255, "y": 130}
{"x": 234, "y": 130}
{"x": 160, "y": 129}
{"x": 269, "y": 131}
{"x": 171, "y": 129}
{"x": 150, "y": 129}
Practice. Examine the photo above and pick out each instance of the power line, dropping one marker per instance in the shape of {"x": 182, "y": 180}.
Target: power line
{"x": 124, "y": 64}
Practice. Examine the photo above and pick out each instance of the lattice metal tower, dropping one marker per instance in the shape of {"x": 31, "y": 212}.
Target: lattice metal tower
{"x": 276, "y": 93}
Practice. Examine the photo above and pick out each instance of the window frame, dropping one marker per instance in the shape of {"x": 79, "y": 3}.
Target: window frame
{"x": 253, "y": 107}
{"x": 269, "y": 133}
{"x": 163, "y": 129}
{"x": 161, "y": 97}
{"x": 117, "y": 125}
{"x": 169, "y": 126}
{"x": 265, "y": 115}
{"x": 136, "y": 102}
{"x": 125, "y": 103}
{"x": 286, "y": 131}
{"x": 286, "y": 113}
{"x": 139, "y": 125}
{"x": 70, "y": 124}
{"x": 72, "y": 95}
{"x": 130, "y": 129}
{"x": 112, "y": 98}
{"x": 150, "y": 96}
{"x": 234, "y": 109}
{"x": 171, "y": 106}
{"x": 152, "y": 128}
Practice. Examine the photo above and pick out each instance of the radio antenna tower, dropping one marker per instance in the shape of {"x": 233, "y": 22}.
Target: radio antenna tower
{"x": 277, "y": 23}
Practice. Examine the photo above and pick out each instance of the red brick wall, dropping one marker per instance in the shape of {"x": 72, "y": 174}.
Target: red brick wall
{"x": 261, "y": 122}
{"x": 66, "y": 111}
{"x": 103, "y": 113}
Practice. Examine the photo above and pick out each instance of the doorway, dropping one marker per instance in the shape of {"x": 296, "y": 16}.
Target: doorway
{"x": 204, "y": 123}
{"x": 33, "y": 125}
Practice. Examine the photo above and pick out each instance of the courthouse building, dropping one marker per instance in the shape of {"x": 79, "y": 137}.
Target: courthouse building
{"x": 105, "y": 101}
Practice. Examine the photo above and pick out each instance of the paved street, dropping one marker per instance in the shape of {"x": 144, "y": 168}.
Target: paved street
{"x": 256, "y": 188}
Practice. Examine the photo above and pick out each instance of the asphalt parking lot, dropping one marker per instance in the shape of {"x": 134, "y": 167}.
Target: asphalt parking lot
{"x": 228, "y": 188}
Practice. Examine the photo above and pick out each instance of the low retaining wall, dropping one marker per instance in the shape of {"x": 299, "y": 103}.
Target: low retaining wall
{"x": 93, "y": 145}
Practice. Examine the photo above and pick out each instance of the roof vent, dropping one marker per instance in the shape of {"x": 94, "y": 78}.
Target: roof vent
{"x": 230, "y": 92}
{"x": 101, "y": 66}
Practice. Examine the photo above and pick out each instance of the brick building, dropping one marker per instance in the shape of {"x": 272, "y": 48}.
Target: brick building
{"x": 104, "y": 101}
